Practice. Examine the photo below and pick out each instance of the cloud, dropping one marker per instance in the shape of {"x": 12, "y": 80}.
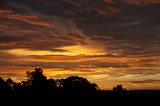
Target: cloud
{"x": 119, "y": 32}
{"x": 146, "y": 81}
{"x": 114, "y": 38}
{"x": 73, "y": 65}
{"x": 30, "y": 30}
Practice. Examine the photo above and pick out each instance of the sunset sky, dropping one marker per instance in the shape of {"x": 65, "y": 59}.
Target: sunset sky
{"x": 109, "y": 42}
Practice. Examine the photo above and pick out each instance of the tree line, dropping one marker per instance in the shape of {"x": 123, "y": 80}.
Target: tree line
{"x": 37, "y": 84}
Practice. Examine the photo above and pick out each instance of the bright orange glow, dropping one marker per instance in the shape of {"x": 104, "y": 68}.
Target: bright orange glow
{"x": 70, "y": 51}
{"x": 102, "y": 41}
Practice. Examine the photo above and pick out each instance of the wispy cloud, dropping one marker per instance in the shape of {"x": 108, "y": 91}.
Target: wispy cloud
{"x": 117, "y": 39}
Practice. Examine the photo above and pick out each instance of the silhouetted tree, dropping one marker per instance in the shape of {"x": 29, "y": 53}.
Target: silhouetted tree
{"x": 52, "y": 87}
{"x": 18, "y": 89}
{"x": 75, "y": 85}
{"x": 5, "y": 89}
{"x": 119, "y": 90}
{"x": 10, "y": 82}
{"x": 37, "y": 81}
{"x": 38, "y": 85}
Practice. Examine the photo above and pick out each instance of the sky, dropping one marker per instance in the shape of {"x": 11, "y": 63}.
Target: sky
{"x": 109, "y": 42}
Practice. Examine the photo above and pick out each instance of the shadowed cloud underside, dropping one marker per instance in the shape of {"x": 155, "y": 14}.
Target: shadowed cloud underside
{"x": 107, "y": 41}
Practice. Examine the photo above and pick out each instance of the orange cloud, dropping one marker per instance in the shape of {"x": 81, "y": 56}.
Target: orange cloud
{"x": 107, "y": 41}
{"x": 25, "y": 17}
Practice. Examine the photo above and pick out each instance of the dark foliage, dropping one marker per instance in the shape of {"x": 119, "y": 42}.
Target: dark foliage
{"x": 119, "y": 90}
{"x": 75, "y": 85}
{"x": 37, "y": 85}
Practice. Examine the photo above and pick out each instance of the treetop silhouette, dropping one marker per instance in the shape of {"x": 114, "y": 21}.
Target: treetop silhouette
{"x": 37, "y": 84}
